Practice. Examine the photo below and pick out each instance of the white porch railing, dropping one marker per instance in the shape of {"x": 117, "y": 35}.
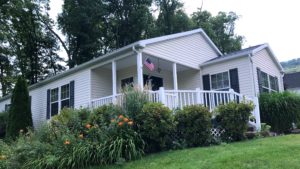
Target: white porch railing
{"x": 175, "y": 99}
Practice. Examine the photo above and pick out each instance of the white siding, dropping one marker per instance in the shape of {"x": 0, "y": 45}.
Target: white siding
{"x": 3, "y": 103}
{"x": 263, "y": 60}
{"x": 190, "y": 50}
{"x": 189, "y": 79}
{"x": 101, "y": 80}
{"x": 244, "y": 73}
{"x": 39, "y": 95}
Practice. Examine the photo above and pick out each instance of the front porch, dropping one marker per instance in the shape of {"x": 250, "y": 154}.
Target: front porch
{"x": 174, "y": 85}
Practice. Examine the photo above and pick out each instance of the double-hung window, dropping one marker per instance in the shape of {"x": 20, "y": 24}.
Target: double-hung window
{"x": 268, "y": 83}
{"x": 220, "y": 81}
{"x": 54, "y": 101}
{"x": 65, "y": 96}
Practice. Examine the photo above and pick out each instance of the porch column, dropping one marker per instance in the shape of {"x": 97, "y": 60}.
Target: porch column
{"x": 114, "y": 77}
{"x": 175, "y": 83}
{"x": 139, "y": 64}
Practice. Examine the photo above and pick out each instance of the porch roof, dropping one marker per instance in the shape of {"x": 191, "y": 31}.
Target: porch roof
{"x": 136, "y": 45}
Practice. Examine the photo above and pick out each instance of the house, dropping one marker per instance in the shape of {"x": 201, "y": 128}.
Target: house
{"x": 185, "y": 64}
{"x": 292, "y": 82}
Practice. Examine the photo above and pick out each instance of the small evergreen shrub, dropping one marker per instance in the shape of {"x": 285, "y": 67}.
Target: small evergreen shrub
{"x": 234, "y": 118}
{"x": 19, "y": 116}
{"x": 280, "y": 110}
{"x": 3, "y": 123}
{"x": 155, "y": 124}
{"x": 193, "y": 125}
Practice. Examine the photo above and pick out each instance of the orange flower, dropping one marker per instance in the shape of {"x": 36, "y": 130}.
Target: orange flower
{"x": 130, "y": 123}
{"x": 2, "y": 157}
{"x": 120, "y": 123}
{"x": 126, "y": 119}
{"x": 121, "y": 116}
{"x": 88, "y": 126}
{"x": 112, "y": 120}
{"x": 81, "y": 136}
{"x": 67, "y": 142}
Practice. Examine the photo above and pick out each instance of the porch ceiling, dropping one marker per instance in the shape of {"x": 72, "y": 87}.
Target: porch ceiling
{"x": 158, "y": 63}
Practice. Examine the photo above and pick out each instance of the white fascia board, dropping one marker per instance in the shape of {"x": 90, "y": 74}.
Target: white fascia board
{"x": 274, "y": 58}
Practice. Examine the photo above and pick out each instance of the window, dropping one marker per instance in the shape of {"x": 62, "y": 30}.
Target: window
{"x": 7, "y": 107}
{"x": 65, "y": 96}
{"x": 54, "y": 101}
{"x": 268, "y": 83}
{"x": 220, "y": 81}
{"x": 127, "y": 81}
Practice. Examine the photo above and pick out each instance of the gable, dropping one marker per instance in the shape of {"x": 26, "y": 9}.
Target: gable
{"x": 191, "y": 50}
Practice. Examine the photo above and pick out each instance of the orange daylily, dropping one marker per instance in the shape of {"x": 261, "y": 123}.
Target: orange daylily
{"x": 126, "y": 119}
{"x": 67, "y": 142}
{"x": 81, "y": 136}
{"x": 120, "y": 123}
{"x": 130, "y": 123}
{"x": 121, "y": 116}
{"x": 88, "y": 126}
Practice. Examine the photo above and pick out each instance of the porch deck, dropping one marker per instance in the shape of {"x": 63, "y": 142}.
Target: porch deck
{"x": 177, "y": 99}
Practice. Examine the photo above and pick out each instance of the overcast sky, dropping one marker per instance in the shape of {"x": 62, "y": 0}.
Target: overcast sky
{"x": 261, "y": 21}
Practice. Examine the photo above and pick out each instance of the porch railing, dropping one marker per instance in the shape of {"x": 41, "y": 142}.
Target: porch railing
{"x": 177, "y": 99}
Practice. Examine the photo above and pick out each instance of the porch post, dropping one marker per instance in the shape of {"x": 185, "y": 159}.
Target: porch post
{"x": 139, "y": 64}
{"x": 175, "y": 83}
{"x": 114, "y": 79}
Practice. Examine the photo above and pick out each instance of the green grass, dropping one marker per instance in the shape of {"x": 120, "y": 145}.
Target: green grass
{"x": 268, "y": 153}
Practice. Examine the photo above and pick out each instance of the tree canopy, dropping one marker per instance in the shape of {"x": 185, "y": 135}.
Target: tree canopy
{"x": 30, "y": 42}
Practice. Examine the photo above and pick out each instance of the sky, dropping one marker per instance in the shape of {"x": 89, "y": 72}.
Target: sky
{"x": 275, "y": 22}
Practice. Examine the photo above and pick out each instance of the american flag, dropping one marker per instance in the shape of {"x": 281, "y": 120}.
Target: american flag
{"x": 149, "y": 64}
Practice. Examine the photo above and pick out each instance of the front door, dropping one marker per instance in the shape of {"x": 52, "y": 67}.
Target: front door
{"x": 153, "y": 82}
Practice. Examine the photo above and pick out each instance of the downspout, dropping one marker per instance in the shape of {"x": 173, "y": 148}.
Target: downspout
{"x": 253, "y": 76}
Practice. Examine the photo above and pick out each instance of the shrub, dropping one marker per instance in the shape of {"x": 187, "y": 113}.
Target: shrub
{"x": 280, "y": 110}
{"x": 19, "y": 116}
{"x": 3, "y": 123}
{"x": 155, "y": 124}
{"x": 265, "y": 130}
{"x": 234, "y": 118}
{"x": 194, "y": 125}
{"x": 103, "y": 115}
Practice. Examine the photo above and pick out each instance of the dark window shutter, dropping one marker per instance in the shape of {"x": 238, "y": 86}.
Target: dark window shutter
{"x": 48, "y": 104}
{"x": 72, "y": 94}
{"x": 259, "y": 80}
{"x": 206, "y": 82}
{"x": 206, "y": 86}
{"x": 234, "y": 80}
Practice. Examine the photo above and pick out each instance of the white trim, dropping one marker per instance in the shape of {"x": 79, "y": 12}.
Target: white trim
{"x": 144, "y": 43}
{"x": 114, "y": 77}
{"x": 139, "y": 63}
{"x": 175, "y": 83}
{"x": 266, "y": 46}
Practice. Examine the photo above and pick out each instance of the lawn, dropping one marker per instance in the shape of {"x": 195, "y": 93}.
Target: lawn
{"x": 275, "y": 152}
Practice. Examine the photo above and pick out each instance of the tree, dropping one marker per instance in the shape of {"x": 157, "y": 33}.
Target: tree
{"x": 128, "y": 21}
{"x": 171, "y": 18}
{"x": 220, "y": 29}
{"x": 82, "y": 23}
{"x": 30, "y": 47}
{"x": 19, "y": 117}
